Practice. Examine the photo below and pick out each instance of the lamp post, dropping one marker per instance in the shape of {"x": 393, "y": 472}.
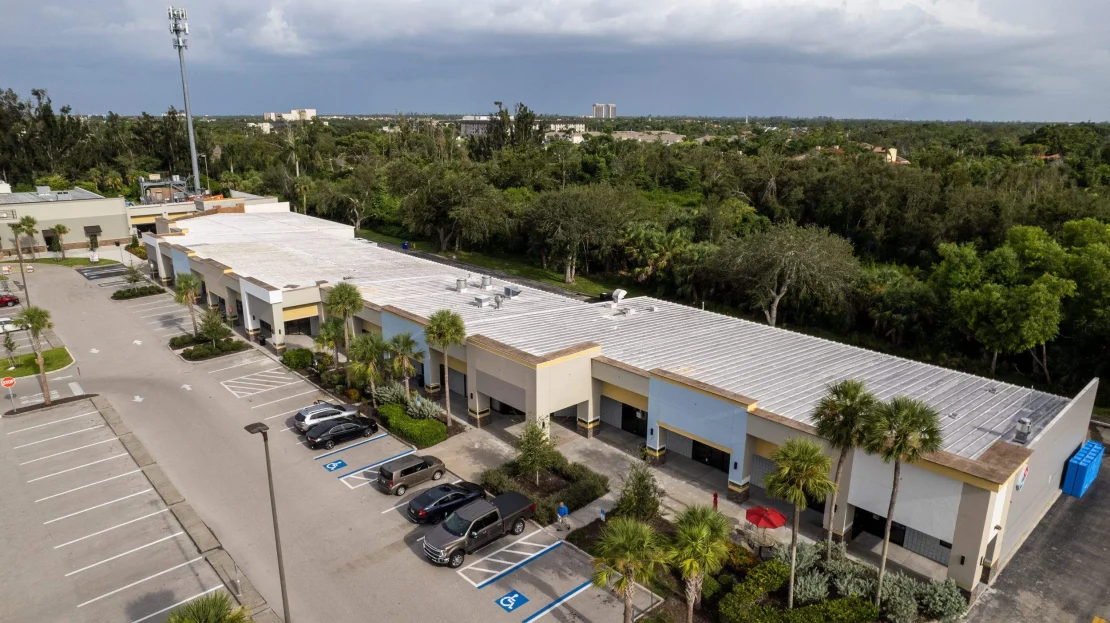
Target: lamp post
{"x": 207, "y": 177}
{"x": 259, "y": 427}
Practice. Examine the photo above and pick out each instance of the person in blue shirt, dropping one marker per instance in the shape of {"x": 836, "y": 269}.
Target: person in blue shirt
{"x": 563, "y": 512}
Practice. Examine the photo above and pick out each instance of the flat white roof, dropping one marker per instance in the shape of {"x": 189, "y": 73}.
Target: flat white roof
{"x": 785, "y": 371}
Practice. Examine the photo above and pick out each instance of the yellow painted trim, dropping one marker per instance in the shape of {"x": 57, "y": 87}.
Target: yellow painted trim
{"x": 948, "y": 472}
{"x": 501, "y": 355}
{"x": 589, "y": 352}
{"x": 229, "y": 270}
{"x": 593, "y": 424}
{"x": 621, "y": 394}
{"x": 190, "y": 254}
{"x": 476, "y": 413}
{"x": 711, "y": 444}
{"x": 750, "y": 408}
{"x": 298, "y": 312}
{"x": 764, "y": 448}
{"x": 656, "y": 452}
{"x": 279, "y": 347}
{"x": 456, "y": 364}
{"x": 142, "y": 220}
{"x": 739, "y": 488}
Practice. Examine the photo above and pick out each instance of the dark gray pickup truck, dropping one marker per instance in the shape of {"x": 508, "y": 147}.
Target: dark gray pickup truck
{"x": 476, "y": 525}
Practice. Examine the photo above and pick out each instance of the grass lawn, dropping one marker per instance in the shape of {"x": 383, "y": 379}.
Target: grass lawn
{"x": 55, "y": 358}
{"x": 1102, "y": 414}
{"x": 73, "y": 261}
{"x": 590, "y": 285}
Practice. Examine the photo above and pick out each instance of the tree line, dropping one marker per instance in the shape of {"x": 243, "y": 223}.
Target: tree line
{"x": 988, "y": 251}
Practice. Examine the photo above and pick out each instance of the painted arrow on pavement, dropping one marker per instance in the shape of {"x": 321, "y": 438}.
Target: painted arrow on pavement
{"x": 94, "y": 350}
{"x": 138, "y": 399}
{"x": 138, "y": 342}
{"x": 187, "y": 388}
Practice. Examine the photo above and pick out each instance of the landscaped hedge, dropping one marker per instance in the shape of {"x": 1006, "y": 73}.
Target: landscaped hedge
{"x": 206, "y": 351}
{"x": 181, "y": 341}
{"x": 133, "y": 293}
{"x": 742, "y": 604}
{"x": 422, "y": 433}
{"x": 297, "y": 358}
{"x": 585, "y": 486}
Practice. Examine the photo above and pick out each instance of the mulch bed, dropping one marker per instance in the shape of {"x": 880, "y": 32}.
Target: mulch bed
{"x": 53, "y": 403}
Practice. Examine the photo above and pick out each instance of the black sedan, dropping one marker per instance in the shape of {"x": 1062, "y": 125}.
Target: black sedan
{"x": 330, "y": 432}
{"x": 439, "y": 501}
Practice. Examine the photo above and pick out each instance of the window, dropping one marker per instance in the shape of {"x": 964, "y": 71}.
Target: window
{"x": 419, "y": 467}
{"x": 484, "y": 522}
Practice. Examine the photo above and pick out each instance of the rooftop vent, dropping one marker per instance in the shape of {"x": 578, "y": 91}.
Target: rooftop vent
{"x": 653, "y": 308}
{"x": 482, "y": 300}
{"x": 618, "y": 295}
{"x": 627, "y": 311}
{"x": 511, "y": 292}
{"x": 487, "y": 282}
{"x": 1024, "y": 431}
{"x": 497, "y": 299}
{"x": 460, "y": 284}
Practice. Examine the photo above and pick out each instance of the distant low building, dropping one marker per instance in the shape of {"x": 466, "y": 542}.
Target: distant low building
{"x": 265, "y": 127}
{"x": 471, "y": 125}
{"x": 297, "y": 114}
{"x": 649, "y": 136}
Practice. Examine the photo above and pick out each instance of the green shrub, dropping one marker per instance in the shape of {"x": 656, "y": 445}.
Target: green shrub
{"x": 739, "y": 558}
{"x": 898, "y": 599}
{"x": 323, "y": 360}
{"x": 421, "y": 433}
{"x": 420, "y": 409}
{"x": 497, "y": 481}
{"x": 853, "y": 610}
{"x": 807, "y": 557}
{"x": 131, "y": 293}
{"x": 726, "y": 580}
{"x": 739, "y": 606}
{"x": 769, "y": 576}
{"x": 297, "y": 358}
{"x": 181, "y": 341}
{"x": 854, "y": 586}
{"x": 584, "y": 486}
{"x": 941, "y": 600}
{"x": 332, "y": 378}
{"x": 207, "y": 351}
{"x": 810, "y": 588}
{"x": 709, "y": 588}
{"x": 640, "y": 493}
{"x": 392, "y": 394}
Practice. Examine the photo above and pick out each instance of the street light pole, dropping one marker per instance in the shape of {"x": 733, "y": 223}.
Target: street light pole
{"x": 259, "y": 427}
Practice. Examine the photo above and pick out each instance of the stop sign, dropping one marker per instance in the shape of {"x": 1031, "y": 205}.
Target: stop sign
{"x": 8, "y": 382}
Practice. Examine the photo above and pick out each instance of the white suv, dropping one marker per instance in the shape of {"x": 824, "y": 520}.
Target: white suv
{"x": 312, "y": 415}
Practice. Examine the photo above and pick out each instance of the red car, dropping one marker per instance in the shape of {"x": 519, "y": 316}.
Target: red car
{"x": 9, "y": 300}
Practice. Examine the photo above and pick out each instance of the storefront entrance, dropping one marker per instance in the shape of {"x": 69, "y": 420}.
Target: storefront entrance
{"x": 634, "y": 420}
{"x": 710, "y": 456}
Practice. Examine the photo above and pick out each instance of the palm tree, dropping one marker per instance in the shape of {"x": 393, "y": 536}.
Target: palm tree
{"x": 186, "y": 290}
{"x": 213, "y": 608}
{"x": 344, "y": 301}
{"x": 700, "y": 547}
{"x": 366, "y": 358}
{"x": 627, "y": 552}
{"x": 59, "y": 231}
{"x": 36, "y": 320}
{"x": 403, "y": 351}
{"x": 838, "y": 417}
{"x": 902, "y": 430}
{"x": 331, "y": 331}
{"x": 801, "y": 472}
{"x": 29, "y": 226}
{"x": 445, "y": 329}
{"x": 17, "y": 233}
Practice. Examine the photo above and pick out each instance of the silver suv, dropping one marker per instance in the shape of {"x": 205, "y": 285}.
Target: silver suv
{"x": 312, "y": 415}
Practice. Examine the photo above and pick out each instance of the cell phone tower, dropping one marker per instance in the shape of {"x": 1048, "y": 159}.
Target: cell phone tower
{"x": 179, "y": 28}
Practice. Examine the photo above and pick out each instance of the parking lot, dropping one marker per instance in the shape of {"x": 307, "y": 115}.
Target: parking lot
{"x": 350, "y": 552}
{"x": 107, "y": 275}
{"x": 96, "y": 542}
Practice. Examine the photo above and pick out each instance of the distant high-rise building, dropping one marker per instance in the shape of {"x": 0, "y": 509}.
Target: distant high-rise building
{"x": 605, "y": 111}
{"x": 611, "y": 111}
{"x": 599, "y": 111}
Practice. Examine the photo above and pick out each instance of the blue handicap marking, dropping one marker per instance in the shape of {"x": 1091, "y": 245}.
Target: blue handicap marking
{"x": 334, "y": 465}
{"x": 512, "y": 601}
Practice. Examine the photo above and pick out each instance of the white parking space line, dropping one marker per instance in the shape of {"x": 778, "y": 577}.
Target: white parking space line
{"x": 173, "y": 328}
{"x": 245, "y": 363}
{"x": 246, "y": 394}
{"x": 281, "y": 414}
{"x": 54, "y": 422}
{"x": 130, "y": 551}
{"x": 161, "y": 301}
{"x": 91, "y": 484}
{"x": 558, "y": 602}
{"x": 83, "y": 430}
{"x": 50, "y": 456}
{"x": 163, "y": 305}
{"x": 58, "y": 378}
{"x": 183, "y": 601}
{"x": 149, "y": 577}
{"x": 158, "y": 313}
{"x": 119, "y": 525}
{"x": 286, "y": 398}
{"x": 76, "y": 468}
{"x": 92, "y": 508}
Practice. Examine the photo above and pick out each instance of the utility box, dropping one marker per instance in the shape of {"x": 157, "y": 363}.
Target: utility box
{"x": 1083, "y": 468}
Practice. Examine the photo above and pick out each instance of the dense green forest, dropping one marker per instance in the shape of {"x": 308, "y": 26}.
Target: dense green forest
{"x": 988, "y": 250}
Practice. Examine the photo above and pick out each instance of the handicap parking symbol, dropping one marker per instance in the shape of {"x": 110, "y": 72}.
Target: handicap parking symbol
{"x": 512, "y": 601}
{"x": 334, "y": 465}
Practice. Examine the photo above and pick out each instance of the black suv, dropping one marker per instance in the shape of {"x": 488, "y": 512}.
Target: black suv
{"x": 330, "y": 432}
{"x": 439, "y": 501}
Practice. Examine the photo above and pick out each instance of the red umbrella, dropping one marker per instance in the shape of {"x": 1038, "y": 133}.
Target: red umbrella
{"x": 764, "y": 517}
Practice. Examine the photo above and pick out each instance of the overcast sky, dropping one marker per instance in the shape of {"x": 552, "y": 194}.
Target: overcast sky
{"x": 915, "y": 59}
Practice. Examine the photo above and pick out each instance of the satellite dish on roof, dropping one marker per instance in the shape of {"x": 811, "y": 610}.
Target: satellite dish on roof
{"x": 618, "y": 295}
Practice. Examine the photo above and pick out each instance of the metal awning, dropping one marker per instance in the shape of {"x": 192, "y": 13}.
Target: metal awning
{"x": 92, "y": 230}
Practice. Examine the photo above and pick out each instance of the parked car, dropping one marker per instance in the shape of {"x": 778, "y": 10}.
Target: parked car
{"x": 7, "y": 325}
{"x": 440, "y": 501}
{"x": 312, "y": 415}
{"x": 398, "y": 475}
{"x": 330, "y": 432}
{"x": 476, "y": 525}
{"x": 9, "y": 300}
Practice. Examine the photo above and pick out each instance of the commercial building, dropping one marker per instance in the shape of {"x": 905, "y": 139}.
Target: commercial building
{"x": 471, "y": 125}
{"x": 604, "y": 111}
{"x": 297, "y": 114}
{"x": 90, "y": 218}
{"x": 720, "y": 390}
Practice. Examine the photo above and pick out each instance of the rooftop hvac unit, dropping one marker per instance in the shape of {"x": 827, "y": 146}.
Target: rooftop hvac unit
{"x": 497, "y": 298}
{"x": 482, "y": 300}
{"x": 511, "y": 292}
{"x": 1024, "y": 429}
{"x": 618, "y": 295}
{"x": 460, "y": 285}
{"x": 487, "y": 282}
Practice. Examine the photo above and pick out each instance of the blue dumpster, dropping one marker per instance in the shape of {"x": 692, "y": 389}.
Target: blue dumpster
{"x": 405, "y": 246}
{"x": 1083, "y": 468}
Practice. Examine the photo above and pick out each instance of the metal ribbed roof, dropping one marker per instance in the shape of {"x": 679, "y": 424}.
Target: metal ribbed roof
{"x": 76, "y": 194}
{"x": 786, "y": 372}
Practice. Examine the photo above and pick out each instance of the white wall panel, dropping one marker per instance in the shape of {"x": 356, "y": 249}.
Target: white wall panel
{"x": 927, "y": 502}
